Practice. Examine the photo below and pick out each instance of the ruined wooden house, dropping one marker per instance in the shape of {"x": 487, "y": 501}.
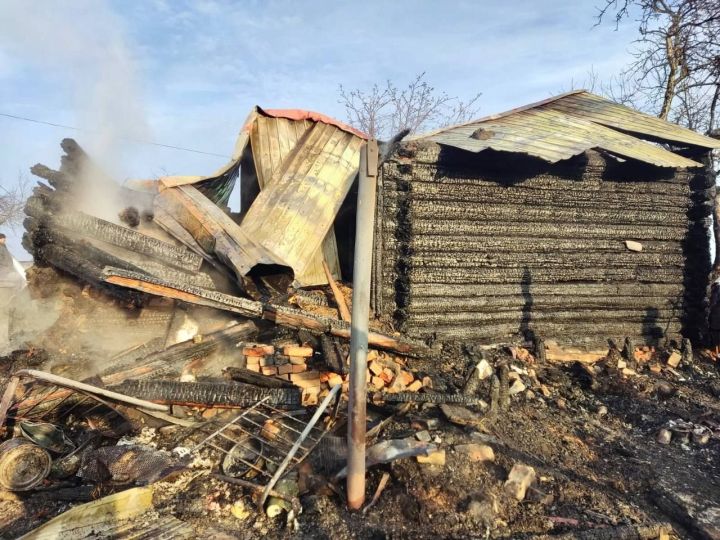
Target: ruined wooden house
{"x": 574, "y": 219}
{"x": 531, "y": 223}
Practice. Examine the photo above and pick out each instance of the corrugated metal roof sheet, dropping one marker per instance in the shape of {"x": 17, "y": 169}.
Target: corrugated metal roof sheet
{"x": 562, "y": 127}
{"x": 293, "y": 213}
{"x": 614, "y": 115}
{"x": 272, "y": 140}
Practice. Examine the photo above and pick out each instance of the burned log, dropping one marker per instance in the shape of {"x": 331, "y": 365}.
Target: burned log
{"x": 123, "y": 237}
{"x": 209, "y": 394}
{"x": 102, "y": 244}
{"x": 250, "y": 377}
{"x": 283, "y": 316}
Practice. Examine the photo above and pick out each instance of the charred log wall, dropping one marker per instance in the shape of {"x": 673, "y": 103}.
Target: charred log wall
{"x": 494, "y": 247}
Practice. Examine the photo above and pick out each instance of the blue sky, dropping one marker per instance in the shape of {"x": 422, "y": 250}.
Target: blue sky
{"x": 186, "y": 73}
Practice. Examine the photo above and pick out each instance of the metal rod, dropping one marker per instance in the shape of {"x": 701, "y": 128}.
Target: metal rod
{"x": 298, "y": 444}
{"x": 94, "y": 390}
{"x": 364, "y": 232}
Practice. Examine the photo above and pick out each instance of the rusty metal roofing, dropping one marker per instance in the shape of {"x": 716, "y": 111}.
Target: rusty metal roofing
{"x": 294, "y": 119}
{"x": 312, "y": 116}
{"x": 567, "y": 125}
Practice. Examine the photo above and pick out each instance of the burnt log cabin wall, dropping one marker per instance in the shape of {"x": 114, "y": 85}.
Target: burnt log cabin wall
{"x": 497, "y": 247}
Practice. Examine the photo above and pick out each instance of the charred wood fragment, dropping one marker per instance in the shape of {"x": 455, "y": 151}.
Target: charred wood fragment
{"x": 687, "y": 352}
{"x": 504, "y": 391}
{"x": 628, "y": 353}
{"x": 494, "y": 394}
{"x": 539, "y": 350}
{"x": 333, "y": 355}
{"x": 250, "y": 377}
{"x": 414, "y": 397}
{"x": 210, "y": 394}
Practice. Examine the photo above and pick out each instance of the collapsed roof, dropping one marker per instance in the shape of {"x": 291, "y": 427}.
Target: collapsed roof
{"x": 567, "y": 125}
{"x": 304, "y": 164}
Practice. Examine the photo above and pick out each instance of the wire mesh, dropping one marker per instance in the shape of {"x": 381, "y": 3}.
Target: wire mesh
{"x": 264, "y": 442}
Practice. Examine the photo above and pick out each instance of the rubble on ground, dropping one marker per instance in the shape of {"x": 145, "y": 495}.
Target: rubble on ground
{"x": 171, "y": 393}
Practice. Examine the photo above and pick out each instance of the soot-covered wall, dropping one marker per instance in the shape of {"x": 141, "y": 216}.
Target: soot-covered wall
{"x": 495, "y": 247}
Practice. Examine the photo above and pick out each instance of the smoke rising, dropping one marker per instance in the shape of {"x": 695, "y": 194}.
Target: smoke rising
{"x": 82, "y": 47}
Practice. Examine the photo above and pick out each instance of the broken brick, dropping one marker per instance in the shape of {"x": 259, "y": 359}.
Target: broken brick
{"x": 258, "y": 350}
{"x": 334, "y": 380}
{"x": 303, "y": 352}
{"x": 375, "y": 368}
{"x": 269, "y": 370}
{"x": 434, "y": 458}
{"x": 674, "y": 359}
{"x": 297, "y": 360}
{"x": 476, "y": 452}
{"x": 519, "y": 480}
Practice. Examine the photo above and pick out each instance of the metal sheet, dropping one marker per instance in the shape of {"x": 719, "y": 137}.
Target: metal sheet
{"x": 614, "y": 115}
{"x": 272, "y": 140}
{"x": 290, "y": 217}
{"x": 305, "y": 164}
{"x": 560, "y": 128}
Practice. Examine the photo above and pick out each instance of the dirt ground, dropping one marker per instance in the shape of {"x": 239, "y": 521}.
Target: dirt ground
{"x": 589, "y": 435}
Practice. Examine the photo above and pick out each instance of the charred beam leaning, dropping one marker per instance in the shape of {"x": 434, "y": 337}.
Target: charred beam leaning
{"x": 249, "y": 308}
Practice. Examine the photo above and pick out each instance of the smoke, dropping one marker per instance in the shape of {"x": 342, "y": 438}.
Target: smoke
{"x": 81, "y": 47}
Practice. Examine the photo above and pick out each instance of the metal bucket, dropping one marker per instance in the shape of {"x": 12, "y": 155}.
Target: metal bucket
{"x": 23, "y": 465}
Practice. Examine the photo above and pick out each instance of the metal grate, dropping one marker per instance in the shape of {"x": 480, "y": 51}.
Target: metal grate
{"x": 264, "y": 442}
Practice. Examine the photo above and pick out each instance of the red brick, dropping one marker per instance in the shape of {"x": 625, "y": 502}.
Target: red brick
{"x": 258, "y": 350}
{"x": 304, "y": 352}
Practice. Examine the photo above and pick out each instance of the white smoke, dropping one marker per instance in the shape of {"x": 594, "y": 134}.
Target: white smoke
{"x": 82, "y": 47}
{"x": 22, "y": 279}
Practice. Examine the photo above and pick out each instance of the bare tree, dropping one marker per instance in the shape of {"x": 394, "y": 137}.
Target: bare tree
{"x": 676, "y": 68}
{"x": 12, "y": 201}
{"x": 386, "y": 109}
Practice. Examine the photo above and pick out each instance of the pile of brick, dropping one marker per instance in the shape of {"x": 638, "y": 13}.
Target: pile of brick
{"x": 385, "y": 372}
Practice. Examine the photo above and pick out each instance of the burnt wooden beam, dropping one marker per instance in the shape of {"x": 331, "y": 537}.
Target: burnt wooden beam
{"x": 172, "y": 359}
{"x": 210, "y": 394}
{"x": 281, "y": 315}
{"x": 117, "y": 235}
{"x": 250, "y": 377}
{"x": 414, "y": 397}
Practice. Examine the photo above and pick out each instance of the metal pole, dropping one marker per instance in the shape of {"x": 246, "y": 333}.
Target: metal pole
{"x": 364, "y": 232}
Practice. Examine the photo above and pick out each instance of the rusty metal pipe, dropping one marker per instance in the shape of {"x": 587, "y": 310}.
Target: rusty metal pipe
{"x": 365, "y": 224}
